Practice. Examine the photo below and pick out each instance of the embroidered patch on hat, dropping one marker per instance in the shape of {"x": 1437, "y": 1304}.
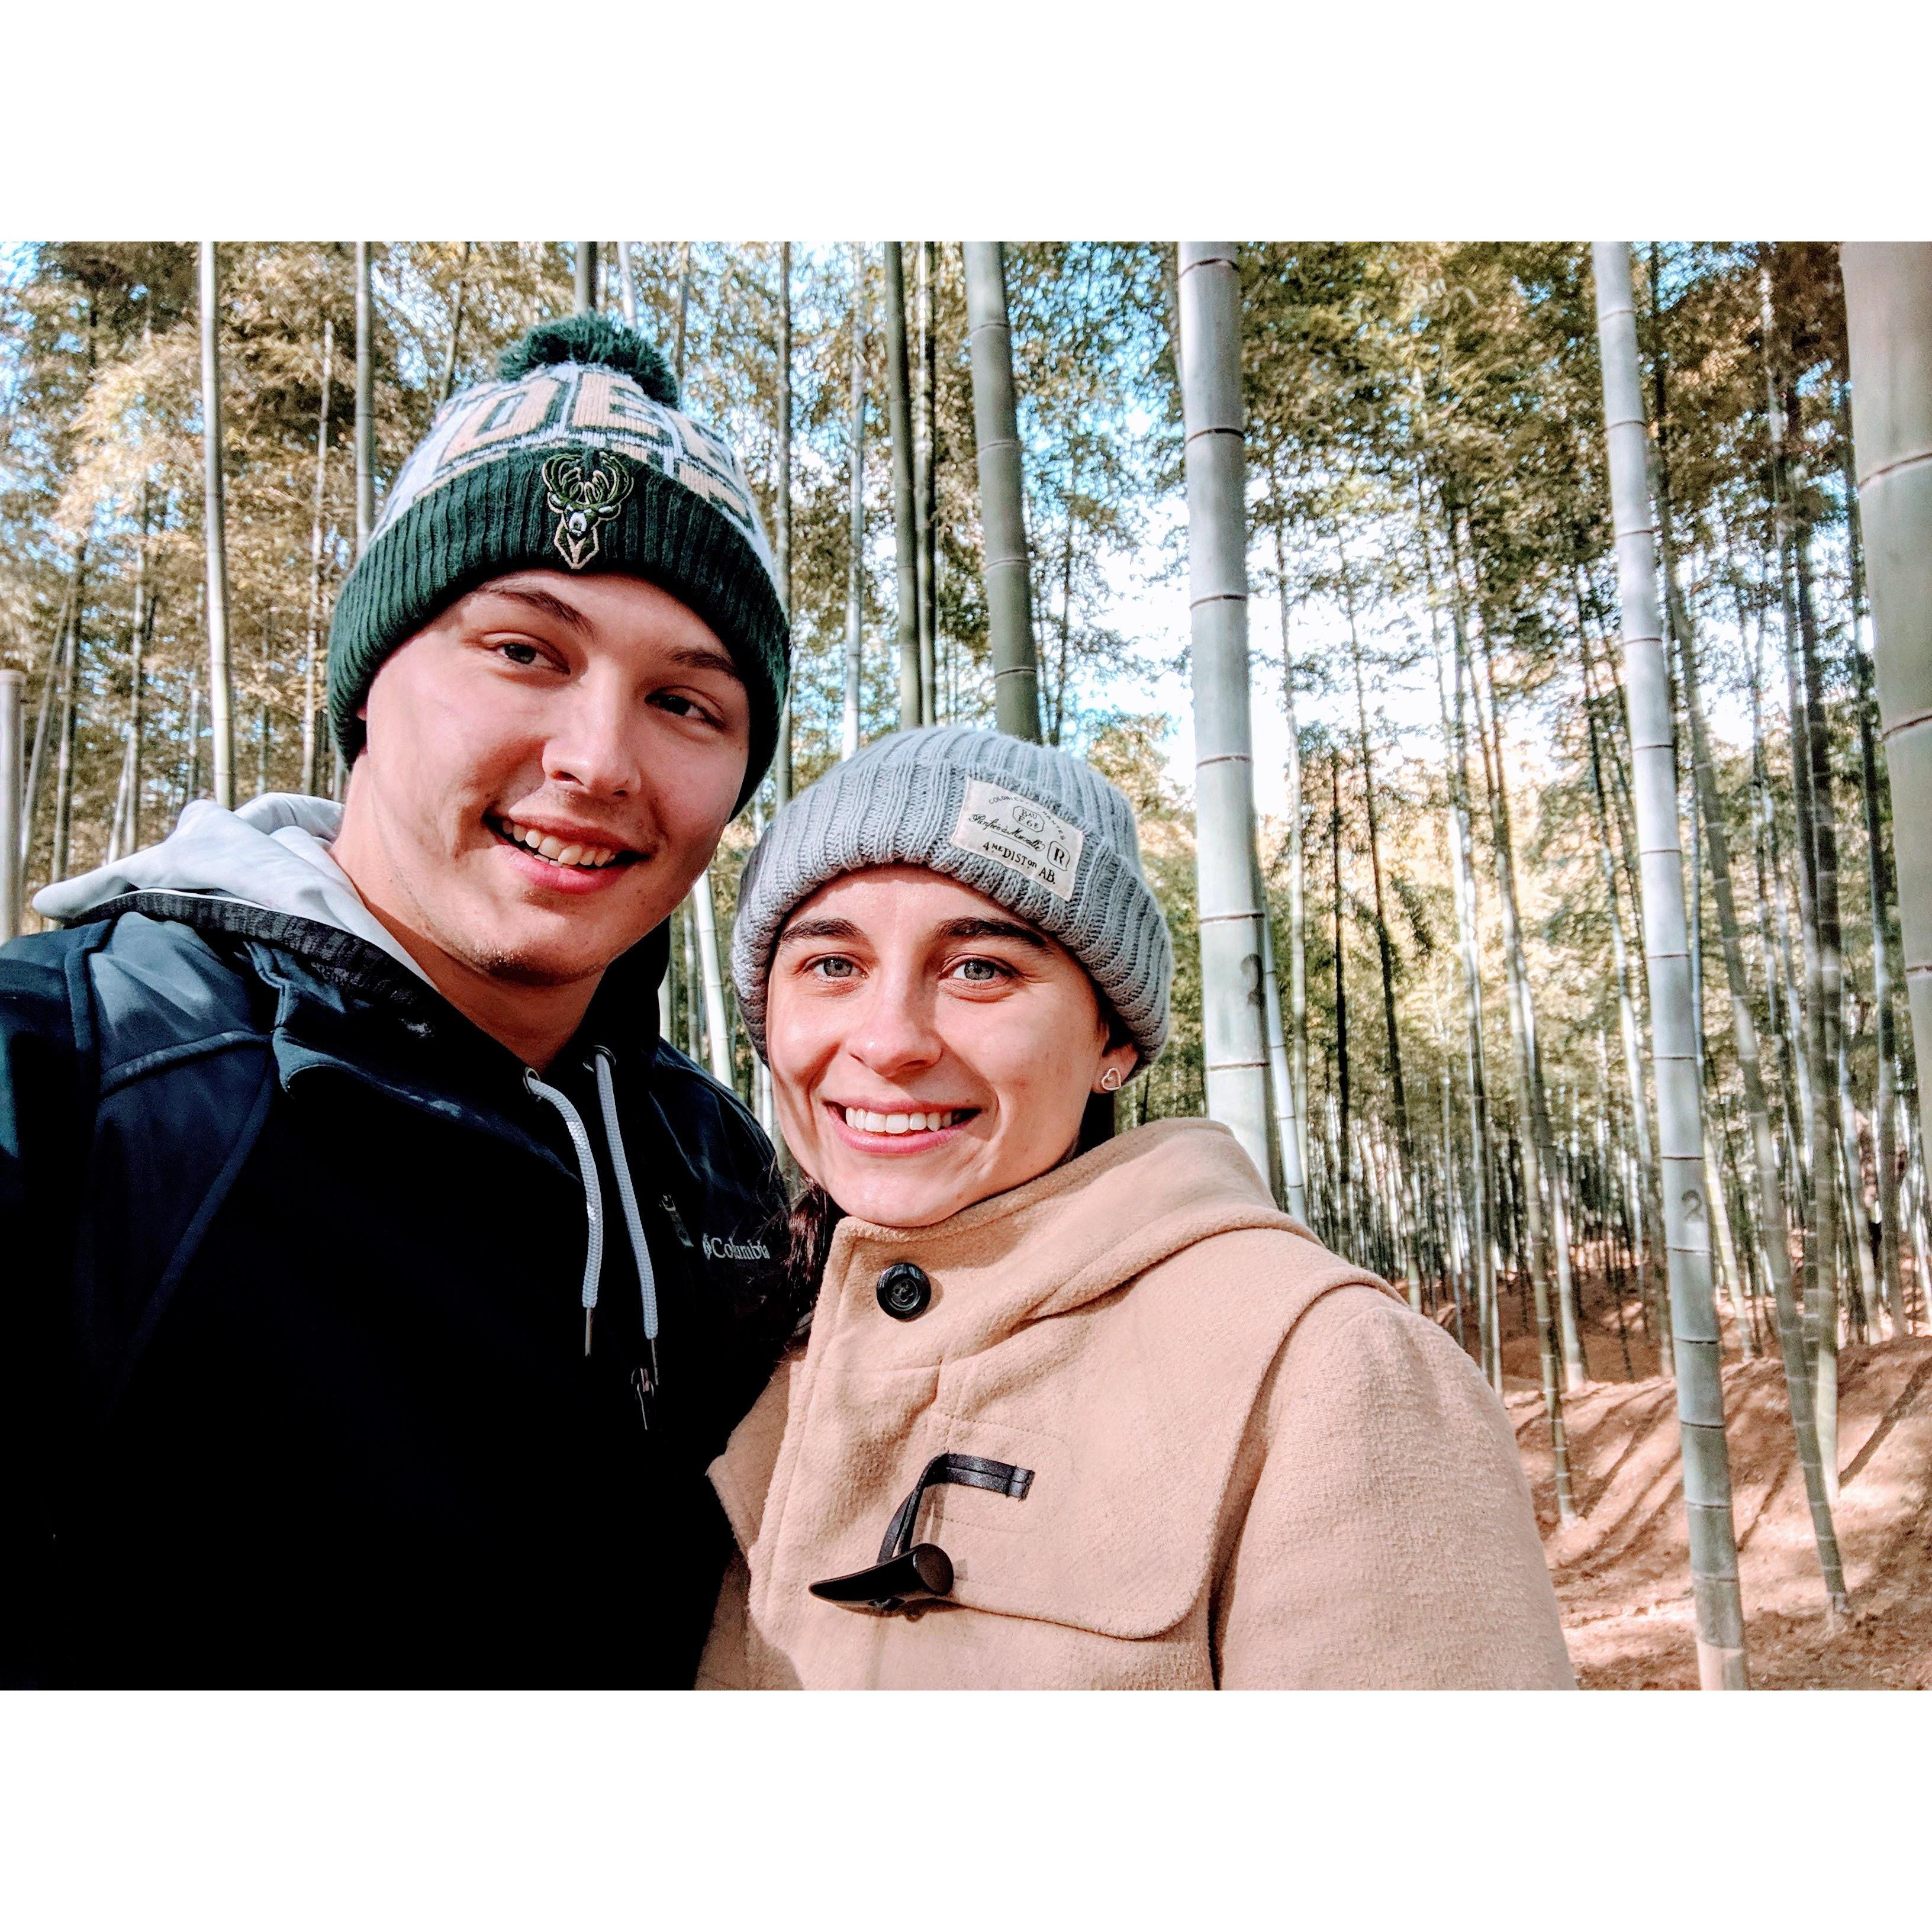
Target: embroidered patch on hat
{"x": 1021, "y": 834}
{"x": 584, "y": 499}
{"x": 586, "y": 414}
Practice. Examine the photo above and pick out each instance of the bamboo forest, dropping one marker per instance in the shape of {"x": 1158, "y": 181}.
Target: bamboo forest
{"x": 1519, "y": 657}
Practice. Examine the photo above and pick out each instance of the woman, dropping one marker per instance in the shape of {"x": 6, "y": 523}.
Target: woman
{"x": 1075, "y": 1411}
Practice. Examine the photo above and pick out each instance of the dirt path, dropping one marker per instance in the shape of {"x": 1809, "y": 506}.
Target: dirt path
{"x": 1622, "y": 1572}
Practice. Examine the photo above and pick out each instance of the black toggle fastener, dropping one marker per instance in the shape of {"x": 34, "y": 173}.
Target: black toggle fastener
{"x": 923, "y": 1573}
{"x": 909, "y": 1575}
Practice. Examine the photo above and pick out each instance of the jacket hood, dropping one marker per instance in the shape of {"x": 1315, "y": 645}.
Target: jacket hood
{"x": 272, "y": 853}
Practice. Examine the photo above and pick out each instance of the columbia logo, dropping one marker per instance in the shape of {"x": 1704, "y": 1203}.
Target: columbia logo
{"x": 735, "y": 1251}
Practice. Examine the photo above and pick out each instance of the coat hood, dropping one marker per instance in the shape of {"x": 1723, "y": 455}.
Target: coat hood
{"x": 1081, "y": 1230}
{"x": 272, "y": 853}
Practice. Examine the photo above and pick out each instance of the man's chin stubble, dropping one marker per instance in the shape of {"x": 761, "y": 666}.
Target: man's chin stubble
{"x": 532, "y": 968}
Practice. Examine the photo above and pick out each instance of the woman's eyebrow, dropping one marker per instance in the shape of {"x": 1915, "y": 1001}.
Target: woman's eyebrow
{"x": 993, "y": 928}
{"x": 818, "y": 929}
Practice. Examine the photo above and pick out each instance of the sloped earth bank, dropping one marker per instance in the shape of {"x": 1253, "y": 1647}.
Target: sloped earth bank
{"x": 1622, "y": 1572}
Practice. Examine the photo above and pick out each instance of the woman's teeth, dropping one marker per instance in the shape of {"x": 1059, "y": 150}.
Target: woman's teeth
{"x": 547, "y": 845}
{"x": 867, "y": 1123}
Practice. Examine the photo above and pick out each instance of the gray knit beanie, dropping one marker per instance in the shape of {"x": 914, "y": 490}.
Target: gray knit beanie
{"x": 1039, "y": 831}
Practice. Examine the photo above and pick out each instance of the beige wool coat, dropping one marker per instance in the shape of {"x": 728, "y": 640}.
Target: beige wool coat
{"x": 1253, "y": 1466}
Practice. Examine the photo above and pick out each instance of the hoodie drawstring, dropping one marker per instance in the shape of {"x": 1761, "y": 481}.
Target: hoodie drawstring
{"x": 593, "y": 1194}
{"x": 647, "y": 1280}
{"x": 593, "y": 1200}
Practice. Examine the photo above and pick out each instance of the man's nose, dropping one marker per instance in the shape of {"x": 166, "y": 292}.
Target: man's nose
{"x": 597, "y": 743}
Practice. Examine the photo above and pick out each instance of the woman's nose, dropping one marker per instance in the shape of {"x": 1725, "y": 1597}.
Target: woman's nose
{"x": 895, "y": 1034}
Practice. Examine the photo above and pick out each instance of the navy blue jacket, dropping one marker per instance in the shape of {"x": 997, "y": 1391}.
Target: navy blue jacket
{"x": 293, "y": 1386}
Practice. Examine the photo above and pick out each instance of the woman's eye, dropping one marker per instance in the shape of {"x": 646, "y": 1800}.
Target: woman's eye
{"x": 981, "y": 972}
{"x": 520, "y": 653}
{"x": 833, "y": 968}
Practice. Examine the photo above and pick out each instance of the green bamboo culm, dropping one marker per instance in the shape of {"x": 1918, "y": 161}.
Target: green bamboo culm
{"x": 1002, "y": 494}
{"x": 898, "y": 398}
{"x": 1721, "y": 1663}
{"x": 1764, "y": 1145}
{"x": 220, "y": 684}
{"x": 1889, "y": 321}
{"x": 1233, "y": 1023}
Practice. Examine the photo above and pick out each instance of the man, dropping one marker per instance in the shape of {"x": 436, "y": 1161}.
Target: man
{"x": 377, "y": 1284}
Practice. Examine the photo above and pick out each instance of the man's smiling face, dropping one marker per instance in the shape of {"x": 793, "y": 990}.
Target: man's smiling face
{"x": 550, "y": 765}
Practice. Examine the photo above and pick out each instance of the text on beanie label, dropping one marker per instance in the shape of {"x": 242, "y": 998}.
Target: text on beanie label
{"x": 1019, "y": 833}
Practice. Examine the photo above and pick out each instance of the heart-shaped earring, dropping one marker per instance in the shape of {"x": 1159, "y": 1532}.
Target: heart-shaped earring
{"x": 1110, "y": 1081}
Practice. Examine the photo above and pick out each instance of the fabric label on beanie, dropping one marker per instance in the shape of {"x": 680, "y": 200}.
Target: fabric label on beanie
{"x": 1021, "y": 834}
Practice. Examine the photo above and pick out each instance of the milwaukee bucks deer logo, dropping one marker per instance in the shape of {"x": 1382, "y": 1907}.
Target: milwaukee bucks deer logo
{"x": 585, "y": 500}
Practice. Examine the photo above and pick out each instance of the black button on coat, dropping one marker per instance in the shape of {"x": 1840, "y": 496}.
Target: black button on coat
{"x": 904, "y": 1293}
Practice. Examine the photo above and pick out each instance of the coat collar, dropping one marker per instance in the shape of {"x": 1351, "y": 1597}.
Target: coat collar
{"x": 1055, "y": 1244}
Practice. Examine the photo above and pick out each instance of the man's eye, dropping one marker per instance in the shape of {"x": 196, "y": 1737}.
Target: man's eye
{"x": 518, "y": 653}
{"x": 679, "y": 706}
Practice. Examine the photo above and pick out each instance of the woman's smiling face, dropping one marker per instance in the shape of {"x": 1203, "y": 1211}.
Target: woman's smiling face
{"x": 927, "y": 1049}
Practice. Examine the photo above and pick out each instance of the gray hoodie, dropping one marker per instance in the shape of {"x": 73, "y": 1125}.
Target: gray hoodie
{"x": 272, "y": 852}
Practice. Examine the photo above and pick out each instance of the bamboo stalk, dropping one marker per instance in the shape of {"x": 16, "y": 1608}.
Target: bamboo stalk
{"x": 221, "y": 688}
{"x": 1706, "y": 1460}
{"x": 711, "y": 965}
{"x": 365, "y": 400}
{"x": 898, "y": 398}
{"x": 855, "y": 563}
{"x": 1002, "y": 496}
{"x": 70, "y": 709}
{"x": 1541, "y": 1270}
{"x": 627, "y": 286}
{"x": 1341, "y": 1206}
{"x": 1889, "y": 318}
{"x": 449, "y": 382}
{"x": 48, "y": 704}
{"x": 924, "y": 508}
{"x": 1482, "y": 1193}
{"x": 125, "y": 829}
{"x": 1405, "y": 1233}
{"x": 1297, "y": 915}
{"x": 781, "y": 760}
{"x": 1233, "y": 1041}
{"x": 683, "y": 313}
{"x": 1281, "y": 1089}
{"x": 13, "y": 800}
{"x": 312, "y": 651}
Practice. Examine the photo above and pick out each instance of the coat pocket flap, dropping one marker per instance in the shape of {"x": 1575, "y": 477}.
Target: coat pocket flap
{"x": 1081, "y": 1549}
{"x": 1118, "y": 1544}
{"x": 1132, "y": 1442}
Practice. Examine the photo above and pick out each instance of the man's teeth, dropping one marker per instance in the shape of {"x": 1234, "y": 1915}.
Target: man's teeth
{"x": 868, "y": 1123}
{"x": 547, "y": 845}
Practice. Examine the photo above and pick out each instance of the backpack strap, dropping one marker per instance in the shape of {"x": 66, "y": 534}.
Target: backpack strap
{"x": 49, "y": 1078}
{"x": 132, "y": 1088}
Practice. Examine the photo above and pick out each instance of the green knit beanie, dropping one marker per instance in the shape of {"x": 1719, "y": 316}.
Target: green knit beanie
{"x": 576, "y": 458}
